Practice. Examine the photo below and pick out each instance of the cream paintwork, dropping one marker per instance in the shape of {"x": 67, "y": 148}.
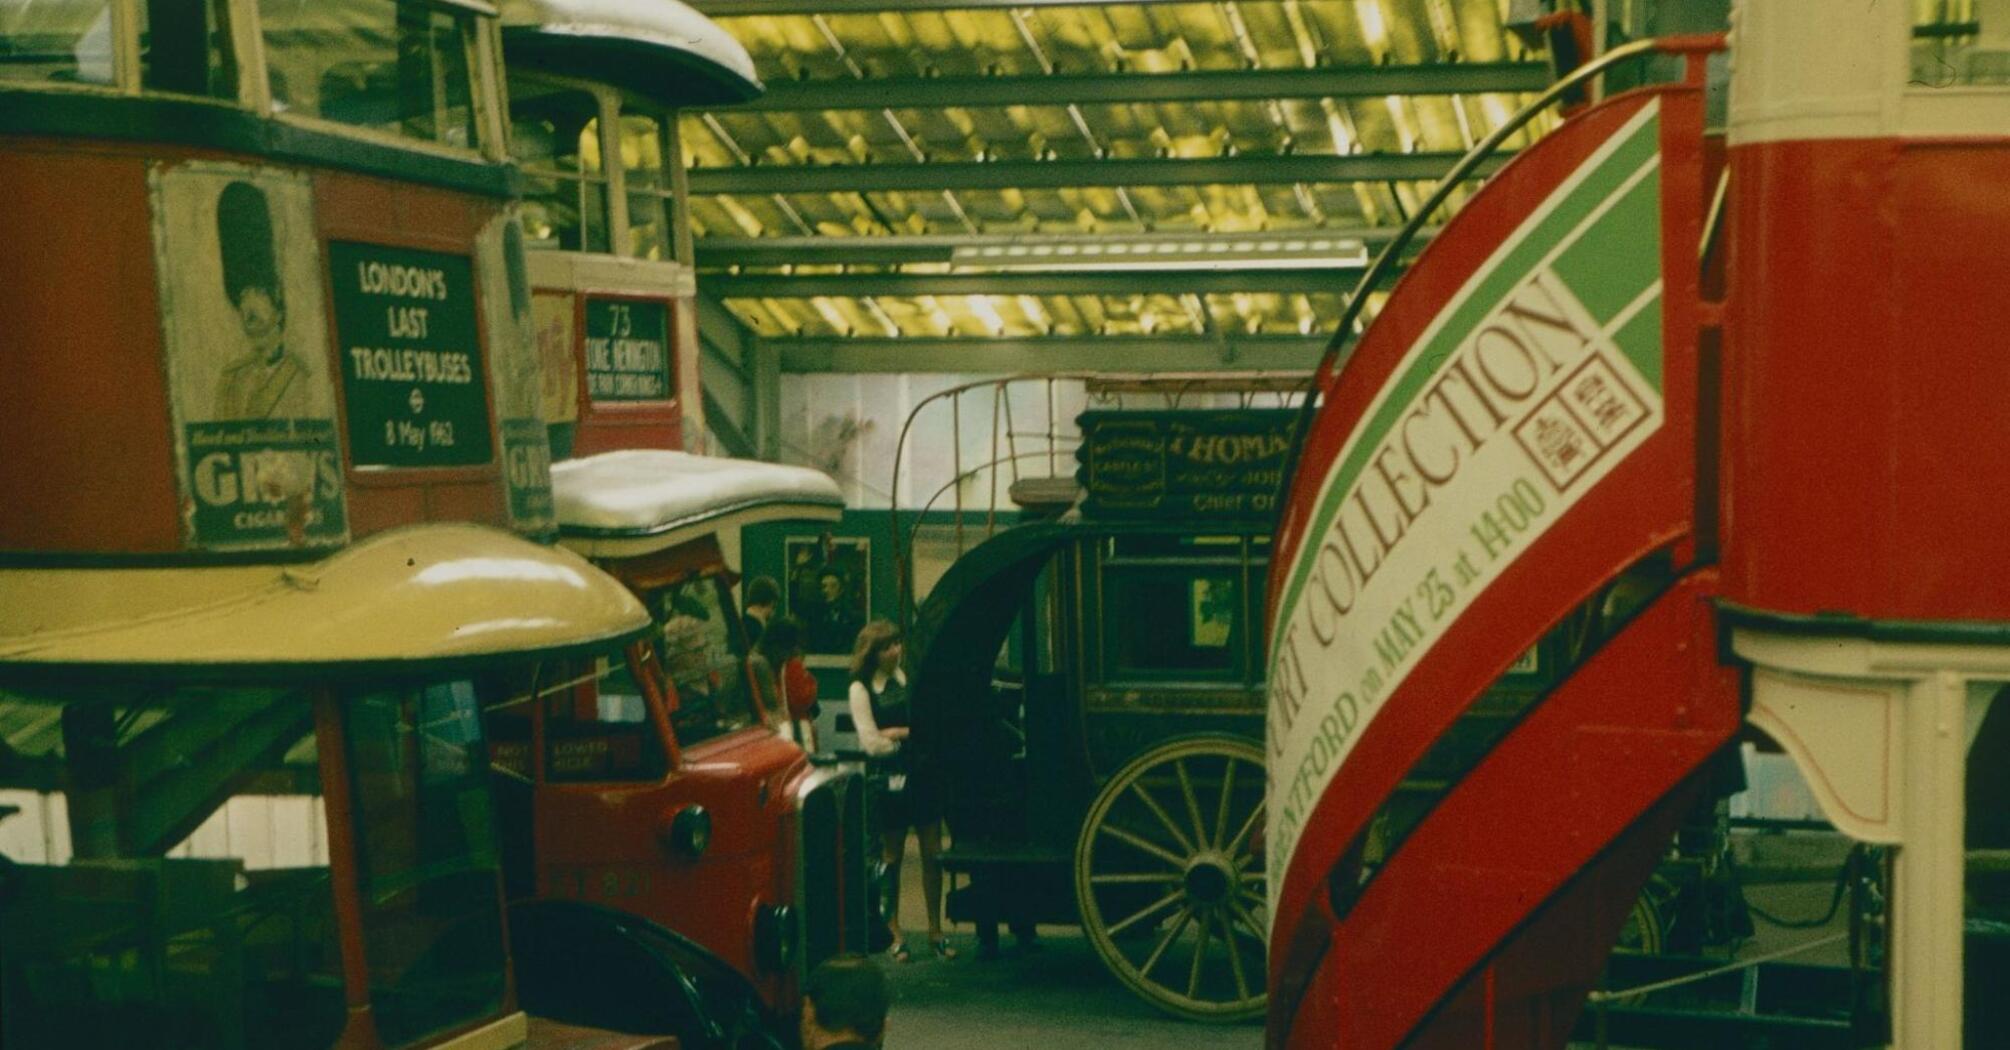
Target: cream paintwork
{"x": 1806, "y": 70}
{"x": 502, "y": 1034}
{"x": 668, "y": 25}
{"x": 1881, "y": 732}
{"x": 426, "y": 592}
{"x": 620, "y": 504}
{"x": 585, "y": 273}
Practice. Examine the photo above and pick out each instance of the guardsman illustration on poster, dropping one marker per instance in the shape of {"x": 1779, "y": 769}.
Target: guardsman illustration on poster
{"x": 247, "y": 360}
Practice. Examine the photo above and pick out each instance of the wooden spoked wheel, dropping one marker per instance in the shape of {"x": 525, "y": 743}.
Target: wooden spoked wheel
{"x": 1170, "y": 888}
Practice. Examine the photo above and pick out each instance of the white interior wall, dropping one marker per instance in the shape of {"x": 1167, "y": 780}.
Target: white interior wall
{"x": 849, "y": 426}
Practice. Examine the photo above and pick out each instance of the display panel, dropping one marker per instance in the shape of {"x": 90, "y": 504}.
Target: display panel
{"x": 413, "y": 379}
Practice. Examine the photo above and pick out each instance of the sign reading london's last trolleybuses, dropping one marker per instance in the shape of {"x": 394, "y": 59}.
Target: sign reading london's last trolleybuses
{"x": 1529, "y": 386}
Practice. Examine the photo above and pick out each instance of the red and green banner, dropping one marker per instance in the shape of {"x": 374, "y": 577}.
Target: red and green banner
{"x": 1532, "y": 382}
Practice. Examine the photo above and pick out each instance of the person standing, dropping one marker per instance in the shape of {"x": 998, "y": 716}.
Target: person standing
{"x": 909, "y": 797}
{"x": 773, "y": 664}
{"x": 845, "y": 1002}
{"x": 762, "y": 595}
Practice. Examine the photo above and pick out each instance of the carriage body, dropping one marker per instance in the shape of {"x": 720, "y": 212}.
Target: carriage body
{"x": 1073, "y": 675}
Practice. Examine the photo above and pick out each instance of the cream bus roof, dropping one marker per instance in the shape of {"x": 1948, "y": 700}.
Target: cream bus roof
{"x": 662, "y": 49}
{"x": 421, "y": 593}
{"x": 625, "y": 503}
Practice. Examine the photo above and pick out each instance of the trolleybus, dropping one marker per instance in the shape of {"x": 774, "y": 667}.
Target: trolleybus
{"x": 259, "y": 308}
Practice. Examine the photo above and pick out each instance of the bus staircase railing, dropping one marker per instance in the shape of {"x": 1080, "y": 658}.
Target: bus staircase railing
{"x": 1477, "y": 903}
{"x": 1034, "y": 463}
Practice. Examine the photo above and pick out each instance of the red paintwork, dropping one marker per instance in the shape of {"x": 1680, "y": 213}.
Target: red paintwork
{"x": 85, "y": 404}
{"x": 1867, "y": 350}
{"x": 1640, "y": 716}
{"x": 615, "y": 425}
{"x": 83, "y": 410}
{"x": 601, "y": 842}
{"x": 1643, "y": 505}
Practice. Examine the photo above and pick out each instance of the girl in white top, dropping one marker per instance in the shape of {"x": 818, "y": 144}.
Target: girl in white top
{"x": 880, "y": 713}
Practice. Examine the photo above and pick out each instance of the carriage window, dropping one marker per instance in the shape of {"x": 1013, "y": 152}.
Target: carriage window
{"x": 699, "y": 648}
{"x": 398, "y": 66}
{"x": 1172, "y": 623}
{"x": 555, "y": 135}
{"x": 643, "y": 141}
{"x": 165, "y": 879}
{"x": 57, "y": 43}
{"x": 426, "y": 857}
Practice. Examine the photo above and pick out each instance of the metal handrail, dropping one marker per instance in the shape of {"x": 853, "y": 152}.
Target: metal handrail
{"x": 1056, "y": 445}
{"x": 1385, "y": 261}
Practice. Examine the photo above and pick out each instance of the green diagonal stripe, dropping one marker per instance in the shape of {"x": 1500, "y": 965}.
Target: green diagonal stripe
{"x": 1567, "y": 220}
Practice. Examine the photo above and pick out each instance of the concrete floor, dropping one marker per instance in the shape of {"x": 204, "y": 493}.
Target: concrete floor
{"x": 1057, "y": 998}
{"x": 1062, "y": 998}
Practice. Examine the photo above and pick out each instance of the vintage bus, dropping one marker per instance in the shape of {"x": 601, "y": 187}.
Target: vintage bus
{"x": 664, "y": 790}
{"x": 276, "y": 530}
{"x": 1709, "y": 420}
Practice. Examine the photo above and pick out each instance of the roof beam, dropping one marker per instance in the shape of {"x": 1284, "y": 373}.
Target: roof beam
{"x": 1184, "y": 353}
{"x": 722, "y": 334}
{"x": 1329, "y": 280}
{"x": 1245, "y": 169}
{"x": 1039, "y": 249}
{"x": 1212, "y": 85}
{"x": 747, "y": 8}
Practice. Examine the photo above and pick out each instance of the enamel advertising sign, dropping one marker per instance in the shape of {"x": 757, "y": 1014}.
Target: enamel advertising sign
{"x": 1538, "y": 377}
{"x": 513, "y": 355}
{"x": 244, "y": 328}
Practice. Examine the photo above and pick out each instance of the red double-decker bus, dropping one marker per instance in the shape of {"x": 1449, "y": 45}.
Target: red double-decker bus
{"x": 1681, "y": 435}
{"x": 661, "y": 788}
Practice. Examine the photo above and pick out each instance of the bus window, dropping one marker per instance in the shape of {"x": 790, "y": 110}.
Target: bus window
{"x": 57, "y": 43}
{"x": 555, "y": 135}
{"x": 185, "y": 48}
{"x": 644, "y": 139}
{"x": 404, "y": 67}
{"x": 700, "y": 653}
{"x": 166, "y": 880}
{"x": 426, "y": 857}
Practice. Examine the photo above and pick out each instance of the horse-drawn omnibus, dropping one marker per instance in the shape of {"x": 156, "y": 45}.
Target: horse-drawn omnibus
{"x": 1719, "y": 411}
{"x": 276, "y": 530}
{"x": 1088, "y": 687}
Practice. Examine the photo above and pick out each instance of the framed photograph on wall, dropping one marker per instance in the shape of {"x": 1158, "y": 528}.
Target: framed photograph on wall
{"x": 829, "y": 588}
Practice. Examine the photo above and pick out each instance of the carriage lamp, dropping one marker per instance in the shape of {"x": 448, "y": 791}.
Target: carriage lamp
{"x": 774, "y": 936}
{"x": 689, "y": 832}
